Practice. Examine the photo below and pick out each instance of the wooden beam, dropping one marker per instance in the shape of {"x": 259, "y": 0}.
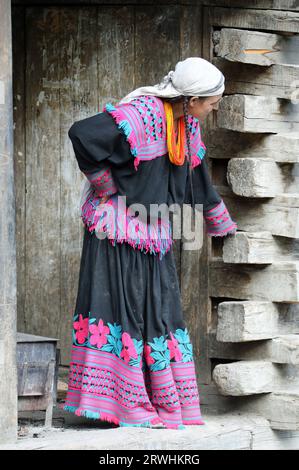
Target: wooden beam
{"x": 249, "y": 248}
{"x": 282, "y": 349}
{"x": 257, "y": 4}
{"x": 278, "y": 215}
{"x": 278, "y": 282}
{"x": 283, "y": 410}
{"x": 247, "y": 113}
{"x": 224, "y": 143}
{"x": 266, "y": 20}
{"x": 8, "y": 275}
{"x": 253, "y": 79}
{"x": 255, "y": 47}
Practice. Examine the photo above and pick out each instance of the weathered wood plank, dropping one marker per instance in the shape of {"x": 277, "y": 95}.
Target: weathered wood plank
{"x": 279, "y": 215}
{"x": 42, "y": 307}
{"x": 8, "y": 267}
{"x": 244, "y": 377}
{"x": 279, "y": 350}
{"x": 19, "y": 55}
{"x": 193, "y": 263}
{"x": 278, "y": 80}
{"x": 258, "y": 4}
{"x": 259, "y": 248}
{"x": 267, "y": 20}
{"x": 283, "y": 414}
{"x": 278, "y": 282}
{"x": 116, "y": 48}
{"x": 224, "y": 143}
{"x": 247, "y": 113}
{"x": 77, "y": 76}
{"x": 255, "y": 47}
{"x": 162, "y": 24}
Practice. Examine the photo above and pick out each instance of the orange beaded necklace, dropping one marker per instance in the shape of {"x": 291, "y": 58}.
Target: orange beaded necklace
{"x": 176, "y": 150}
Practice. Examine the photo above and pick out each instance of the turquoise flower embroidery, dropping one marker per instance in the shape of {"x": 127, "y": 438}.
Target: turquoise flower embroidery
{"x": 160, "y": 353}
{"x": 184, "y": 344}
{"x": 155, "y": 355}
{"x": 114, "y": 344}
{"x": 139, "y": 349}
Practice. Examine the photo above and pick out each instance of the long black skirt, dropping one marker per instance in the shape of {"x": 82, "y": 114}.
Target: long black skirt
{"x": 131, "y": 359}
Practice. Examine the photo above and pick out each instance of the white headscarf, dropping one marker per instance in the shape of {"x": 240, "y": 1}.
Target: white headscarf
{"x": 192, "y": 77}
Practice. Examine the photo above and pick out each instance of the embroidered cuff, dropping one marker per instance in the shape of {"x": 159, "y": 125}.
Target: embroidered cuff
{"x": 102, "y": 181}
{"x": 218, "y": 221}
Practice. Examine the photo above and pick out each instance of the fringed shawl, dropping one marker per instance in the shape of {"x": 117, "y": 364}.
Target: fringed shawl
{"x": 144, "y": 124}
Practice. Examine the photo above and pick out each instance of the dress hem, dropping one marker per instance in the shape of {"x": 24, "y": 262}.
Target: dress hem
{"x": 79, "y": 411}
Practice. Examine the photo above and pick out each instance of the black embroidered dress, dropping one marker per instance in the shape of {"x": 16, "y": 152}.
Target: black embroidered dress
{"x": 131, "y": 360}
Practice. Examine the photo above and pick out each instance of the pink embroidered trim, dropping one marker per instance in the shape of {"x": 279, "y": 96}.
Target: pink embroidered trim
{"x": 102, "y": 387}
{"x": 218, "y": 221}
{"x": 144, "y": 123}
{"x": 102, "y": 181}
{"x": 113, "y": 218}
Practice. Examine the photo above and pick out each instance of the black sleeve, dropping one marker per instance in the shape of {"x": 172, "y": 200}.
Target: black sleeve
{"x": 203, "y": 189}
{"x": 216, "y": 215}
{"x": 97, "y": 139}
{"x": 99, "y": 145}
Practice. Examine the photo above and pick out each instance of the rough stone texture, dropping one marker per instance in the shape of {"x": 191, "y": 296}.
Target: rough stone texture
{"x": 252, "y": 177}
{"x": 249, "y": 248}
{"x": 246, "y": 321}
{"x": 244, "y": 377}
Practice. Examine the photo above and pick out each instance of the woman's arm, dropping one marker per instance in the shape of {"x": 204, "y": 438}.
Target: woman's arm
{"x": 217, "y": 218}
{"x": 98, "y": 142}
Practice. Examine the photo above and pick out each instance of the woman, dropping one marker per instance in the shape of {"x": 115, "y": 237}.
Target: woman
{"x": 132, "y": 361}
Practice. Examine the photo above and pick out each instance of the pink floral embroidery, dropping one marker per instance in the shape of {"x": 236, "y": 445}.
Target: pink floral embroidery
{"x": 99, "y": 334}
{"x": 82, "y": 329}
{"x": 128, "y": 350}
{"x": 149, "y": 359}
{"x": 174, "y": 349}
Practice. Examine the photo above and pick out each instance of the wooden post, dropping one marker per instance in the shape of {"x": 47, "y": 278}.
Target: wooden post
{"x": 8, "y": 371}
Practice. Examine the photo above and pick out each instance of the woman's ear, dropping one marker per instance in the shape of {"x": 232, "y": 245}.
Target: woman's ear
{"x": 193, "y": 101}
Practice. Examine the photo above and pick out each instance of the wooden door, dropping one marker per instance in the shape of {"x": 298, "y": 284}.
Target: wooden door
{"x": 69, "y": 62}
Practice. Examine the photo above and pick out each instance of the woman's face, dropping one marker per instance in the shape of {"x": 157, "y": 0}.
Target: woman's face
{"x": 200, "y": 108}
